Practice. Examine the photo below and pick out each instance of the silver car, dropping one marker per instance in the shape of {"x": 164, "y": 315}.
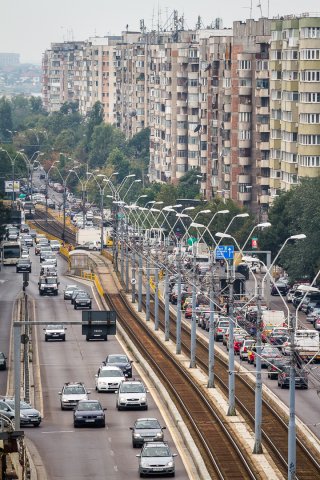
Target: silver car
{"x": 146, "y": 430}
{"x": 71, "y": 394}
{"x": 156, "y": 458}
{"x": 29, "y": 416}
{"x": 132, "y": 394}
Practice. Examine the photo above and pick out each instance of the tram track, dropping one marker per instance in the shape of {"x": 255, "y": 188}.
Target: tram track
{"x": 274, "y": 426}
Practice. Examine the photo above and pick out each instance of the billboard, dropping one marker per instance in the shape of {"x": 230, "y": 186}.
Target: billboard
{"x": 8, "y": 186}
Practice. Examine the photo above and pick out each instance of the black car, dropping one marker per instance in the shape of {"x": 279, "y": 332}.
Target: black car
{"x": 276, "y": 366}
{"x": 75, "y": 293}
{"x": 82, "y": 300}
{"x": 89, "y": 413}
{"x": 146, "y": 430}
{"x": 301, "y": 378}
{"x": 279, "y": 287}
{"x": 121, "y": 361}
{"x": 23, "y": 265}
{"x": 3, "y": 361}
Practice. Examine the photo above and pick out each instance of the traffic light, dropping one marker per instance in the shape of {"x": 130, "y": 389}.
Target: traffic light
{"x": 25, "y": 280}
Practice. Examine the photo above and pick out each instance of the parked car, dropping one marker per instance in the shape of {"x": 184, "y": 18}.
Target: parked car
{"x": 146, "y": 430}
{"x": 132, "y": 394}
{"x": 156, "y": 459}
{"x": 89, "y": 413}
{"x": 301, "y": 378}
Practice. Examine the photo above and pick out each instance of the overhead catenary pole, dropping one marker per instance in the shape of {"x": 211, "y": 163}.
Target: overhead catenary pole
{"x": 133, "y": 269}
{"x": 258, "y": 390}
{"x": 166, "y": 300}
{"x": 140, "y": 283}
{"x": 156, "y": 299}
{"x": 211, "y": 332}
{"x": 178, "y": 335}
{"x": 232, "y": 407}
{"x": 194, "y": 317}
{"x": 292, "y": 461}
{"x": 148, "y": 284}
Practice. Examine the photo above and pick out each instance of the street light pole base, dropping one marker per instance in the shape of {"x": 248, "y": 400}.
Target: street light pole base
{"x": 231, "y": 411}
{"x": 257, "y": 449}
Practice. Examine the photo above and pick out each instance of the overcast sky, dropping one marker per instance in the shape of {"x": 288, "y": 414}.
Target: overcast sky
{"x": 29, "y": 26}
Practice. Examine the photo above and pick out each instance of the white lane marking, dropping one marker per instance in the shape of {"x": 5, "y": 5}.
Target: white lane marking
{"x": 112, "y": 453}
{"x": 60, "y": 431}
{"x": 109, "y": 439}
{"x": 3, "y": 281}
{"x": 115, "y": 468}
{"x": 38, "y": 370}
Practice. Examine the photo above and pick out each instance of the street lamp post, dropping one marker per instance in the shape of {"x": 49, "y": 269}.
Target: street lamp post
{"x": 260, "y": 225}
{"x": 12, "y": 161}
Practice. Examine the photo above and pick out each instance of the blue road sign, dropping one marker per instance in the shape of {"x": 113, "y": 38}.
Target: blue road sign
{"x": 225, "y": 252}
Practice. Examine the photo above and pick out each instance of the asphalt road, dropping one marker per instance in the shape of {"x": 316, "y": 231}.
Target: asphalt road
{"x": 10, "y": 285}
{"x": 82, "y": 453}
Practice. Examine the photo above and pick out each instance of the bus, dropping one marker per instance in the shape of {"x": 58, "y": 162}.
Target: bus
{"x": 10, "y": 252}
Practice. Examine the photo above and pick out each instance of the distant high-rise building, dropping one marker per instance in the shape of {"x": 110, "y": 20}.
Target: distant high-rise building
{"x": 8, "y": 59}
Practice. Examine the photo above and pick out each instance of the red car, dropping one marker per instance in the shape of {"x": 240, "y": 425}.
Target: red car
{"x": 188, "y": 312}
{"x": 237, "y": 344}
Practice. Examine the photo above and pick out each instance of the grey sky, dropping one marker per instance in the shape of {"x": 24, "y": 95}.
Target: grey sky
{"x": 29, "y": 26}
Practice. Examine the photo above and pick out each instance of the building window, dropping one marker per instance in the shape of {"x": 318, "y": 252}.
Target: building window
{"x": 309, "y": 118}
{"x": 244, "y": 135}
{"x": 310, "y": 97}
{"x": 182, "y": 153}
{"x": 289, "y": 54}
{"x": 309, "y": 161}
{"x": 276, "y": 114}
{"x": 192, "y": 154}
{"x": 182, "y": 139}
{"x": 310, "y": 54}
{"x": 244, "y": 64}
{"x": 245, "y": 117}
{"x": 275, "y": 54}
{"x": 289, "y": 136}
{"x": 286, "y": 115}
{"x": 310, "y": 32}
{"x": 309, "y": 139}
{"x": 289, "y": 75}
{"x": 310, "y": 76}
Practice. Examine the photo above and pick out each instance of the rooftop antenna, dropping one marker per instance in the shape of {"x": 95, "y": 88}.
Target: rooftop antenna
{"x": 198, "y": 24}
{"x": 259, "y": 6}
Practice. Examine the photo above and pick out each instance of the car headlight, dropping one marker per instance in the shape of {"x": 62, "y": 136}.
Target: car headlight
{"x": 122, "y": 399}
{"x": 78, "y": 416}
{"x": 159, "y": 435}
{"x": 143, "y": 399}
{"x": 102, "y": 383}
{"x": 23, "y": 416}
{"x": 100, "y": 415}
{"x": 144, "y": 464}
{"x": 170, "y": 464}
{"x": 136, "y": 435}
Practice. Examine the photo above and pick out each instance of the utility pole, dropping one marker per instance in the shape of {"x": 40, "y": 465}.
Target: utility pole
{"x": 194, "y": 318}
{"x": 156, "y": 299}
{"x": 148, "y": 284}
{"x": 122, "y": 251}
{"x": 258, "y": 393}
{"x": 292, "y": 405}
{"x": 232, "y": 408}
{"x": 127, "y": 259}
{"x": 133, "y": 266}
{"x": 140, "y": 279}
{"x": 211, "y": 331}
{"x": 166, "y": 300}
{"x": 178, "y": 335}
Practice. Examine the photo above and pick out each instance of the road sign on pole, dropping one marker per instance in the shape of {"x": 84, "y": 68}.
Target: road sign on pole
{"x": 225, "y": 252}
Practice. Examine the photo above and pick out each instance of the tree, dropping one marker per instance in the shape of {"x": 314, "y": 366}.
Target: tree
{"x": 104, "y": 139}
{"x": 189, "y": 185}
{"x": 120, "y": 163}
{"x": 5, "y": 120}
{"x": 95, "y": 119}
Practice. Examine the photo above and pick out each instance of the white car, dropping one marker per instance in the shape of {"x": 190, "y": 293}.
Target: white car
{"x": 55, "y": 245}
{"x": 247, "y": 344}
{"x": 108, "y": 379}
{"x": 132, "y": 394}
{"x": 55, "y": 332}
{"x": 71, "y": 394}
{"x": 25, "y": 254}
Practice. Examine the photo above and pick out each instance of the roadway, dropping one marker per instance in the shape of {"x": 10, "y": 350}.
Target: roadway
{"x": 66, "y": 452}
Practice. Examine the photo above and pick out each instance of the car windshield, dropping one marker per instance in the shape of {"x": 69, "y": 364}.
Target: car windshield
{"x": 1, "y": 355}
{"x": 93, "y": 406}
{"x": 54, "y": 327}
{"x": 162, "y": 451}
{"x": 71, "y": 289}
{"x": 117, "y": 359}
{"x": 74, "y": 390}
{"x": 24, "y": 262}
{"x": 132, "y": 388}
{"x": 147, "y": 423}
{"x": 51, "y": 281}
{"x": 111, "y": 373}
{"x": 23, "y": 405}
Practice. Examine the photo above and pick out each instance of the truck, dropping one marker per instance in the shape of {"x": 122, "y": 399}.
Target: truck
{"x": 307, "y": 344}
{"x": 85, "y": 235}
{"x": 48, "y": 285}
{"x": 271, "y": 319}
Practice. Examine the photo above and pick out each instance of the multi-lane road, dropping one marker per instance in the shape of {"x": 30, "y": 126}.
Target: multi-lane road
{"x": 93, "y": 453}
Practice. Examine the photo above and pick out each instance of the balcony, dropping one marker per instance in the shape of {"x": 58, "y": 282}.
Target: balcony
{"x": 244, "y": 196}
{"x": 245, "y": 143}
{"x": 244, "y": 161}
{"x": 262, "y": 92}
{"x": 244, "y": 178}
{"x": 245, "y": 90}
{"x": 264, "y": 199}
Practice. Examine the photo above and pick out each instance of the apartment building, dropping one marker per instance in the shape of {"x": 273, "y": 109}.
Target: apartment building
{"x": 295, "y": 101}
{"x": 59, "y": 84}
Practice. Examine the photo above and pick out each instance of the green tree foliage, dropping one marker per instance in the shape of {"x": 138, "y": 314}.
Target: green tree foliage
{"x": 189, "y": 185}
{"x": 4, "y": 217}
{"x": 5, "y": 120}
{"x": 105, "y": 138}
{"x": 119, "y": 163}
{"x": 95, "y": 119}
{"x": 69, "y": 107}
{"x": 138, "y": 146}
{"x": 65, "y": 141}
{"x": 293, "y": 212}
